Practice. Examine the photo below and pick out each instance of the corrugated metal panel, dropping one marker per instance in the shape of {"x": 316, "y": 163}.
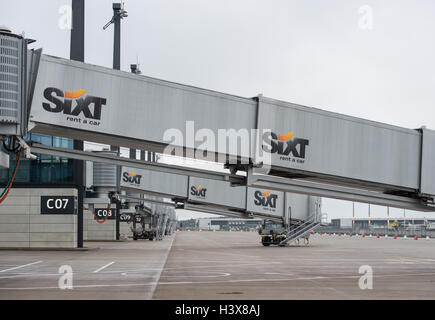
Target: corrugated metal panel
{"x": 265, "y": 201}
{"x": 299, "y": 205}
{"x": 139, "y": 110}
{"x": 216, "y": 192}
{"x": 104, "y": 174}
{"x": 166, "y": 184}
{"x": 428, "y": 163}
{"x": 136, "y": 107}
{"x": 337, "y": 145}
{"x": 10, "y": 77}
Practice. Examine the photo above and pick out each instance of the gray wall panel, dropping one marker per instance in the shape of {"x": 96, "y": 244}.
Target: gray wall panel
{"x": 160, "y": 105}
{"x": 269, "y": 202}
{"x": 428, "y": 162}
{"x": 216, "y": 192}
{"x": 23, "y": 225}
{"x": 155, "y": 182}
{"x": 139, "y": 110}
{"x": 345, "y": 146}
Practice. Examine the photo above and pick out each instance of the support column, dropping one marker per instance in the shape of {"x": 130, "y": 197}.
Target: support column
{"x": 77, "y": 53}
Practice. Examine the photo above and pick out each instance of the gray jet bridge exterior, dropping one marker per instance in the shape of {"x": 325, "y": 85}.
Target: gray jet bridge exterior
{"x": 293, "y": 215}
{"x": 318, "y": 152}
{"x": 308, "y": 150}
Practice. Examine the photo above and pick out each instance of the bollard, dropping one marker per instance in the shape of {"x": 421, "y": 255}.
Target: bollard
{"x": 395, "y": 237}
{"x": 415, "y": 238}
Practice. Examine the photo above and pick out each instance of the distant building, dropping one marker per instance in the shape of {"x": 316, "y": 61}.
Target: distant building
{"x": 219, "y": 223}
{"x": 365, "y": 223}
{"x": 190, "y": 224}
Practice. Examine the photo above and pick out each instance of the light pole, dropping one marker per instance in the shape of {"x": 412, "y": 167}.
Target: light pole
{"x": 77, "y": 53}
{"x": 118, "y": 14}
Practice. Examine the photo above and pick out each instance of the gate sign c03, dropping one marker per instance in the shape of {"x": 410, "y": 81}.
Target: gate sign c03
{"x": 102, "y": 213}
{"x": 58, "y": 205}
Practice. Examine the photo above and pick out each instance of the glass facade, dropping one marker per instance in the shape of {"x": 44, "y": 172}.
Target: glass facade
{"x": 44, "y": 169}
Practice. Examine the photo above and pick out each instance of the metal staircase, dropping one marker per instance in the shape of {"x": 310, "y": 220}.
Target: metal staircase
{"x": 301, "y": 230}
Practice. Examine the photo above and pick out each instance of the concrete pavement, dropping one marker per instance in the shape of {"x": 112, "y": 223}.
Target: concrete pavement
{"x": 225, "y": 265}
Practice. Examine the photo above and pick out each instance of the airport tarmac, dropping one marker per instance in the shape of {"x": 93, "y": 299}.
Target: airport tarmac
{"x": 225, "y": 265}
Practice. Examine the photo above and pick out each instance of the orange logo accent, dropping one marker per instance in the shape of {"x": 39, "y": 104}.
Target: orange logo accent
{"x": 287, "y": 136}
{"x": 132, "y": 174}
{"x": 198, "y": 188}
{"x": 74, "y": 95}
{"x": 266, "y": 193}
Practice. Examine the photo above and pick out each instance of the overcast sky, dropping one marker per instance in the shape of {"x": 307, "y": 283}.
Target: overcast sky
{"x": 324, "y": 54}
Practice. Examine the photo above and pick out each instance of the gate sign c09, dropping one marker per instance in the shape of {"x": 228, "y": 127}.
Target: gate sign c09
{"x": 125, "y": 217}
{"x": 58, "y": 205}
{"x": 102, "y": 213}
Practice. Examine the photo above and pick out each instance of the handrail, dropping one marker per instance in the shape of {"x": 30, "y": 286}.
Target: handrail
{"x": 301, "y": 229}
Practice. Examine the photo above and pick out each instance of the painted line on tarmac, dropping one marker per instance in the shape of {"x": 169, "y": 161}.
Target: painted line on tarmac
{"x": 159, "y": 272}
{"x": 22, "y": 266}
{"x": 216, "y": 275}
{"x": 104, "y": 267}
{"x": 136, "y": 271}
{"x": 219, "y": 282}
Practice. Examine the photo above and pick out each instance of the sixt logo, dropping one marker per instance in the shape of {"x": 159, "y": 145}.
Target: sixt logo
{"x": 265, "y": 199}
{"x": 284, "y": 144}
{"x": 63, "y": 102}
{"x": 198, "y": 191}
{"x": 131, "y": 177}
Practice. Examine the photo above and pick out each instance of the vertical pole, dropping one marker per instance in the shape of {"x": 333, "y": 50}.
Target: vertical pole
{"x": 388, "y": 217}
{"x": 117, "y": 66}
{"x": 353, "y": 215}
{"x": 369, "y": 216}
{"x": 77, "y": 52}
{"x": 133, "y": 151}
{"x": 117, "y": 40}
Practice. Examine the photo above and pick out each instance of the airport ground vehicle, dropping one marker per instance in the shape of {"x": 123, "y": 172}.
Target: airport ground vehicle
{"x": 276, "y": 234}
{"x": 142, "y": 227}
{"x": 144, "y": 231}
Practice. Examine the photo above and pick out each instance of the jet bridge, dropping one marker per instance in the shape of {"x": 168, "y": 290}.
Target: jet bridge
{"x": 293, "y": 215}
{"x": 219, "y": 197}
{"x": 305, "y": 150}
{"x": 93, "y": 103}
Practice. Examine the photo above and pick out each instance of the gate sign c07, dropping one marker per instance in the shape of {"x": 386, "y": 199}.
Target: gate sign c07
{"x": 58, "y": 205}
